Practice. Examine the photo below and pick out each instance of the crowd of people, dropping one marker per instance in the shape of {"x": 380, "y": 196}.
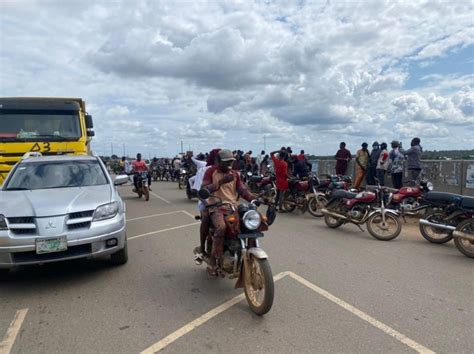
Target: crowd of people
{"x": 374, "y": 165}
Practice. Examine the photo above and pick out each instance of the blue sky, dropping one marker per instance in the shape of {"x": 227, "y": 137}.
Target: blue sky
{"x": 227, "y": 74}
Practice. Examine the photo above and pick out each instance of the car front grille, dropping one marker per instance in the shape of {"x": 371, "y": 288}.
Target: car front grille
{"x": 23, "y": 225}
{"x": 80, "y": 220}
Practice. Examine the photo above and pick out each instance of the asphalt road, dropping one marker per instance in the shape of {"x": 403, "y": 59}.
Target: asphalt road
{"x": 338, "y": 291}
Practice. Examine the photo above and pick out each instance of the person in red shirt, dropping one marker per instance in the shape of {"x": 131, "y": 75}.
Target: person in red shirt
{"x": 343, "y": 156}
{"x": 281, "y": 174}
{"x": 139, "y": 166}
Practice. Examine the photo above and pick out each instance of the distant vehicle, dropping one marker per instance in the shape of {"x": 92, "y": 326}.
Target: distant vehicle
{"x": 52, "y": 126}
{"x": 56, "y": 208}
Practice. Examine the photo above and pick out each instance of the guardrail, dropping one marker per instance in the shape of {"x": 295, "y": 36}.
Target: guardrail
{"x": 455, "y": 176}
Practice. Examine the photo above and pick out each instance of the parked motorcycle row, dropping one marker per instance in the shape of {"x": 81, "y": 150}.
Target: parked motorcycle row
{"x": 445, "y": 216}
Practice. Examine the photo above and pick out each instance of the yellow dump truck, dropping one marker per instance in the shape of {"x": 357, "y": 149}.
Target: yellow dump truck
{"x": 51, "y": 126}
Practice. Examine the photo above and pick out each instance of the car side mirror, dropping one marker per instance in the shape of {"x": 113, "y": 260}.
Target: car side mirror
{"x": 120, "y": 179}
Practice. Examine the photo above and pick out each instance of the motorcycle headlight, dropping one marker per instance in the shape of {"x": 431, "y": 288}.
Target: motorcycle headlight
{"x": 183, "y": 172}
{"x": 252, "y": 219}
{"x": 106, "y": 211}
{"x": 3, "y": 223}
{"x": 429, "y": 186}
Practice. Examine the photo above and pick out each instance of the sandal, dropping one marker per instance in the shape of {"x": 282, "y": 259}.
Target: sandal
{"x": 212, "y": 271}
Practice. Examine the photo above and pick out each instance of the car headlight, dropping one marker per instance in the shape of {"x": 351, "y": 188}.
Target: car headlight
{"x": 106, "y": 211}
{"x": 252, "y": 220}
{"x": 3, "y": 223}
{"x": 429, "y": 186}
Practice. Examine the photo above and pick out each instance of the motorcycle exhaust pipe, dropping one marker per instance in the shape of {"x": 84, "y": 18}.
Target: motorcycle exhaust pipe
{"x": 463, "y": 235}
{"x": 333, "y": 214}
{"x": 438, "y": 226}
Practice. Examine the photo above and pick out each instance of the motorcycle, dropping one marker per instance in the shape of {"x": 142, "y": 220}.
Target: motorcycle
{"x": 259, "y": 184}
{"x": 322, "y": 192}
{"x": 409, "y": 200}
{"x": 364, "y": 208}
{"x": 142, "y": 182}
{"x": 449, "y": 211}
{"x": 243, "y": 259}
{"x": 155, "y": 173}
{"x": 182, "y": 178}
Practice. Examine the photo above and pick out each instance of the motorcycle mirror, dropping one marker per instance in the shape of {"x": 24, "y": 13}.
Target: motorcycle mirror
{"x": 204, "y": 193}
{"x": 271, "y": 215}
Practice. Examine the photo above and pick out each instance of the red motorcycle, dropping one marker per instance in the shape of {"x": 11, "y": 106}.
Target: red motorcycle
{"x": 409, "y": 200}
{"x": 322, "y": 192}
{"x": 262, "y": 185}
{"x": 364, "y": 207}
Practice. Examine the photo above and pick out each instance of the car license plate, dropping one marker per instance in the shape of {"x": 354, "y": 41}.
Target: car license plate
{"x": 49, "y": 245}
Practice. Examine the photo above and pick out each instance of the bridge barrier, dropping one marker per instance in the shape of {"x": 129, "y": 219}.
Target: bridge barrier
{"x": 454, "y": 176}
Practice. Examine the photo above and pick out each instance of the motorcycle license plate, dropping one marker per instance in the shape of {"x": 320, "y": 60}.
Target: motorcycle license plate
{"x": 50, "y": 245}
{"x": 251, "y": 235}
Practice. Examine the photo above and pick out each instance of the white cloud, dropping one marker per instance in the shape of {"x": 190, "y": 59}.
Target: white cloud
{"x": 231, "y": 72}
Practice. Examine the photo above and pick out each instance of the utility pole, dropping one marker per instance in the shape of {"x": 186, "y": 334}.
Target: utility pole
{"x": 112, "y": 148}
{"x": 182, "y": 146}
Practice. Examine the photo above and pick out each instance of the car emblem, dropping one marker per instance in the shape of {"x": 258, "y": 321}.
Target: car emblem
{"x": 50, "y": 225}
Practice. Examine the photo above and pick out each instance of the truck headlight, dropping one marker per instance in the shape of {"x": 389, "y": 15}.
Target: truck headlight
{"x": 3, "y": 223}
{"x": 106, "y": 211}
{"x": 252, "y": 220}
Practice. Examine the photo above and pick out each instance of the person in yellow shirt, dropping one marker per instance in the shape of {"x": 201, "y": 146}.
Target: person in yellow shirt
{"x": 362, "y": 162}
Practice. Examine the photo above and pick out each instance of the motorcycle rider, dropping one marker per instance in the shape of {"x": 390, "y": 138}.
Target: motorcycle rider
{"x": 224, "y": 183}
{"x": 139, "y": 166}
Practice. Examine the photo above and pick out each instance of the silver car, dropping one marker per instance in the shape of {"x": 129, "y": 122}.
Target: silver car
{"x": 57, "y": 208}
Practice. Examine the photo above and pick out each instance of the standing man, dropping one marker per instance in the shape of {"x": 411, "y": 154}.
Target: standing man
{"x": 281, "y": 174}
{"x": 414, "y": 158}
{"x": 362, "y": 162}
{"x": 374, "y": 158}
{"x": 343, "y": 156}
{"x": 396, "y": 165}
{"x": 382, "y": 164}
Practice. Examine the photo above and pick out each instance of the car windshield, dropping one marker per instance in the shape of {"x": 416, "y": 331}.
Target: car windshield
{"x": 39, "y": 125}
{"x": 64, "y": 174}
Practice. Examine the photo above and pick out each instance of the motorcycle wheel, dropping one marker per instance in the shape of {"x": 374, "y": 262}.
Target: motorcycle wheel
{"x": 387, "y": 232}
{"x": 466, "y": 247}
{"x": 433, "y": 234}
{"x": 289, "y": 204}
{"x": 314, "y": 205}
{"x": 258, "y": 285}
{"x": 146, "y": 193}
{"x": 331, "y": 222}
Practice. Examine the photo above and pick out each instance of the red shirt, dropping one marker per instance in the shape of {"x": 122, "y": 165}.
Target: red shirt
{"x": 139, "y": 166}
{"x": 281, "y": 173}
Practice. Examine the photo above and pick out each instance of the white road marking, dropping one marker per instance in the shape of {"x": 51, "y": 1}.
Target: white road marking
{"x": 164, "y": 230}
{"x": 197, "y": 322}
{"x": 156, "y": 215}
{"x": 6, "y": 344}
{"x": 362, "y": 315}
{"x": 159, "y": 197}
{"x": 163, "y": 343}
{"x": 187, "y": 213}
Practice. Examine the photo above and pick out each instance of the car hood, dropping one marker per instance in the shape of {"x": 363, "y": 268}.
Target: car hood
{"x": 50, "y": 202}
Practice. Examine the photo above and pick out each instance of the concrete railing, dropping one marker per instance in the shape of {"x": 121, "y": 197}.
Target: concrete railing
{"x": 455, "y": 176}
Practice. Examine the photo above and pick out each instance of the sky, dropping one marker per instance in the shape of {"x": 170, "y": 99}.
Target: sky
{"x": 248, "y": 75}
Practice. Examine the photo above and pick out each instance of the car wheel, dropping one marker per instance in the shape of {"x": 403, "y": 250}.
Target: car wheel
{"x": 120, "y": 257}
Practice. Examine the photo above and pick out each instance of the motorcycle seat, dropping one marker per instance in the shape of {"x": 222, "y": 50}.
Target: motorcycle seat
{"x": 256, "y": 179}
{"x": 442, "y": 197}
{"x": 338, "y": 194}
{"x": 467, "y": 203}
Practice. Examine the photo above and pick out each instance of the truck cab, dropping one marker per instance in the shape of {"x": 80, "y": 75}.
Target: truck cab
{"x": 51, "y": 126}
